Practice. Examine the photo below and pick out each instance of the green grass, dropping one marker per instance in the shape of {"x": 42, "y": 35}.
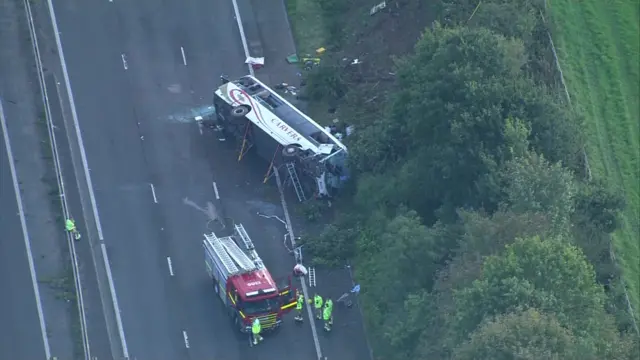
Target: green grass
{"x": 310, "y": 33}
{"x": 598, "y": 45}
{"x": 308, "y": 25}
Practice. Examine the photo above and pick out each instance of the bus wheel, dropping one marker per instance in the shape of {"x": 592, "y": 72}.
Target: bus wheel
{"x": 240, "y": 111}
{"x": 291, "y": 150}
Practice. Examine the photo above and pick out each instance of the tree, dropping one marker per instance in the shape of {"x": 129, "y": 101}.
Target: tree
{"x": 527, "y": 335}
{"x": 532, "y": 335}
{"x": 532, "y": 184}
{"x": 549, "y": 275}
{"x": 444, "y": 130}
{"x": 397, "y": 257}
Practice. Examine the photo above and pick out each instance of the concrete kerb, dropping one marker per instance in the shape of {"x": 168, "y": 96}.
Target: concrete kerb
{"x": 59, "y": 180}
{"x": 305, "y": 290}
{"x": 89, "y": 183}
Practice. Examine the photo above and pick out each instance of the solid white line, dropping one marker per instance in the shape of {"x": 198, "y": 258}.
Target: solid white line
{"x": 215, "y": 189}
{"x": 184, "y": 57}
{"x": 83, "y": 157}
{"x": 170, "y": 266}
{"x": 186, "y": 339}
{"x": 153, "y": 192}
{"x": 25, "y": 233}
{"x": 242, "y": 36}
{"x": 124, "y": 62}
{"x": 303, "y": 284}
{"x": 57, "y": 168}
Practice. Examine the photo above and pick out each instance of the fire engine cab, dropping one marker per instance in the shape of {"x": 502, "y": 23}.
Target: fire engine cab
{"x": 243, "y": 283}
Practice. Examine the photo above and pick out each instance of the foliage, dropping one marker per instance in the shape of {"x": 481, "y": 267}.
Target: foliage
{"x": 472, "y": 234}
{"x": 533, "y": 273}
{"x": 533, "y": 185}
{"x": 447, "y": 123}
{"x": 527, "y": 335}
{"x": 598, "y": 48}
{"x": 325, "y": 83}
{"x": 335, "y": 244}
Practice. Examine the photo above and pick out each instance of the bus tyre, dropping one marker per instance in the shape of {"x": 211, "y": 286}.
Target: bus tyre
{"x": 291, "y": 150}
{"x": 240, "y": 111}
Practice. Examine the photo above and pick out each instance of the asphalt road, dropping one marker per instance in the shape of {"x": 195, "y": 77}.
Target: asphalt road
{"x": 128, "y": 75}
{"x": 20, "y": 337}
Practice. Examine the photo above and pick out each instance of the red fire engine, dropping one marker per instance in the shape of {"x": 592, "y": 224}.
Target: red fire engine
{"x": 243, "y": 282}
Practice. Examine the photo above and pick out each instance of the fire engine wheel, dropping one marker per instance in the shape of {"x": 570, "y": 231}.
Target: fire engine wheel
{"x": 237, "y": 323}
{"x": 240, "y": 111}
{"x": 291, "y": 150}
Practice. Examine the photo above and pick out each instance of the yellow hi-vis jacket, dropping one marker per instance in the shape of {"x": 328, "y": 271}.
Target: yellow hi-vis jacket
{"x": 326, "y": 314}
{"x": 317, "y": 301}
{"x": 300, "y": 302}
{"x": 255, "y": 327}
{"x": 70, "y": 225}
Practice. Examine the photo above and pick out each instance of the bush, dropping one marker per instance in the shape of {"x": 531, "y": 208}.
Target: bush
{"x": 325, "y": 83}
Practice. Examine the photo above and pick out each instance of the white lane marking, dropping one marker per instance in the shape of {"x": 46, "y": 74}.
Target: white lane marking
{"x": 242, "y": 36}
{"x": 199, "y": 121}
{"x": 25, "y": 235}
{"x": 303, "y": 284}
{"x": 85, "y": 165}
{"x": 186, "y": 339}
{"x": 57, "y": 168}
{"x": 170, "y": 265}
{"x": 184, "y": 57}
{"x": 124, "y": 62}
{"x": 215, "y": 189}
{"x": 153, "y": 192}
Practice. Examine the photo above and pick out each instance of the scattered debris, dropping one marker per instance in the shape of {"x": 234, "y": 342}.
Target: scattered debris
{"x": 288, "y": 89}
{"x": 256, "y": 63}
{"x": 377, "y": 8}
{"x": 308, "y": 61}
{"x": 293, "y": 59}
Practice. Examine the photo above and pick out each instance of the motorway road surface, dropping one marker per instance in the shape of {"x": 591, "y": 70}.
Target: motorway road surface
{"x": 128, "y": 75}
{"x": 20, "y": 337}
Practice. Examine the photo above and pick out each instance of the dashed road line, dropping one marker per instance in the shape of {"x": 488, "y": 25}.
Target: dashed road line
{"x": 215, "y": 190}
{"x": 153, "y": 192}
{"x": 124, "y": 61}
{"x": 186, "y": 339}
{"x": 184, "y": 57}
{"x": 170, "y": 265}
{"x": 85, "y": 165}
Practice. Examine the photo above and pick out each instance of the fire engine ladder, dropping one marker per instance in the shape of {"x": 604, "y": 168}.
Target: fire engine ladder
{"x": 219, "y": 249}
{"x": 293, "y": 175}
{"x": 238, "y": 256}
{"x": 246, "y": 240}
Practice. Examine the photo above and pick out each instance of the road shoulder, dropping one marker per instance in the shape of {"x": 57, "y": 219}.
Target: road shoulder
{"x": 25, "y": 122}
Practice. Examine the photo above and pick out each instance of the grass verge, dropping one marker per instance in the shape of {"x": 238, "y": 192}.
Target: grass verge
{"x": 308, "y": 25}
{"x": 309, "y": 33}
{"x": 598, "y": 45}
{"x": 64, "y": 289}
{"x": 63, "y": 285}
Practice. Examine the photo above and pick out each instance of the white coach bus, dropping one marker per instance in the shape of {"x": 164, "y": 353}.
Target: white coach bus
{"x": 279, "y": 132}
